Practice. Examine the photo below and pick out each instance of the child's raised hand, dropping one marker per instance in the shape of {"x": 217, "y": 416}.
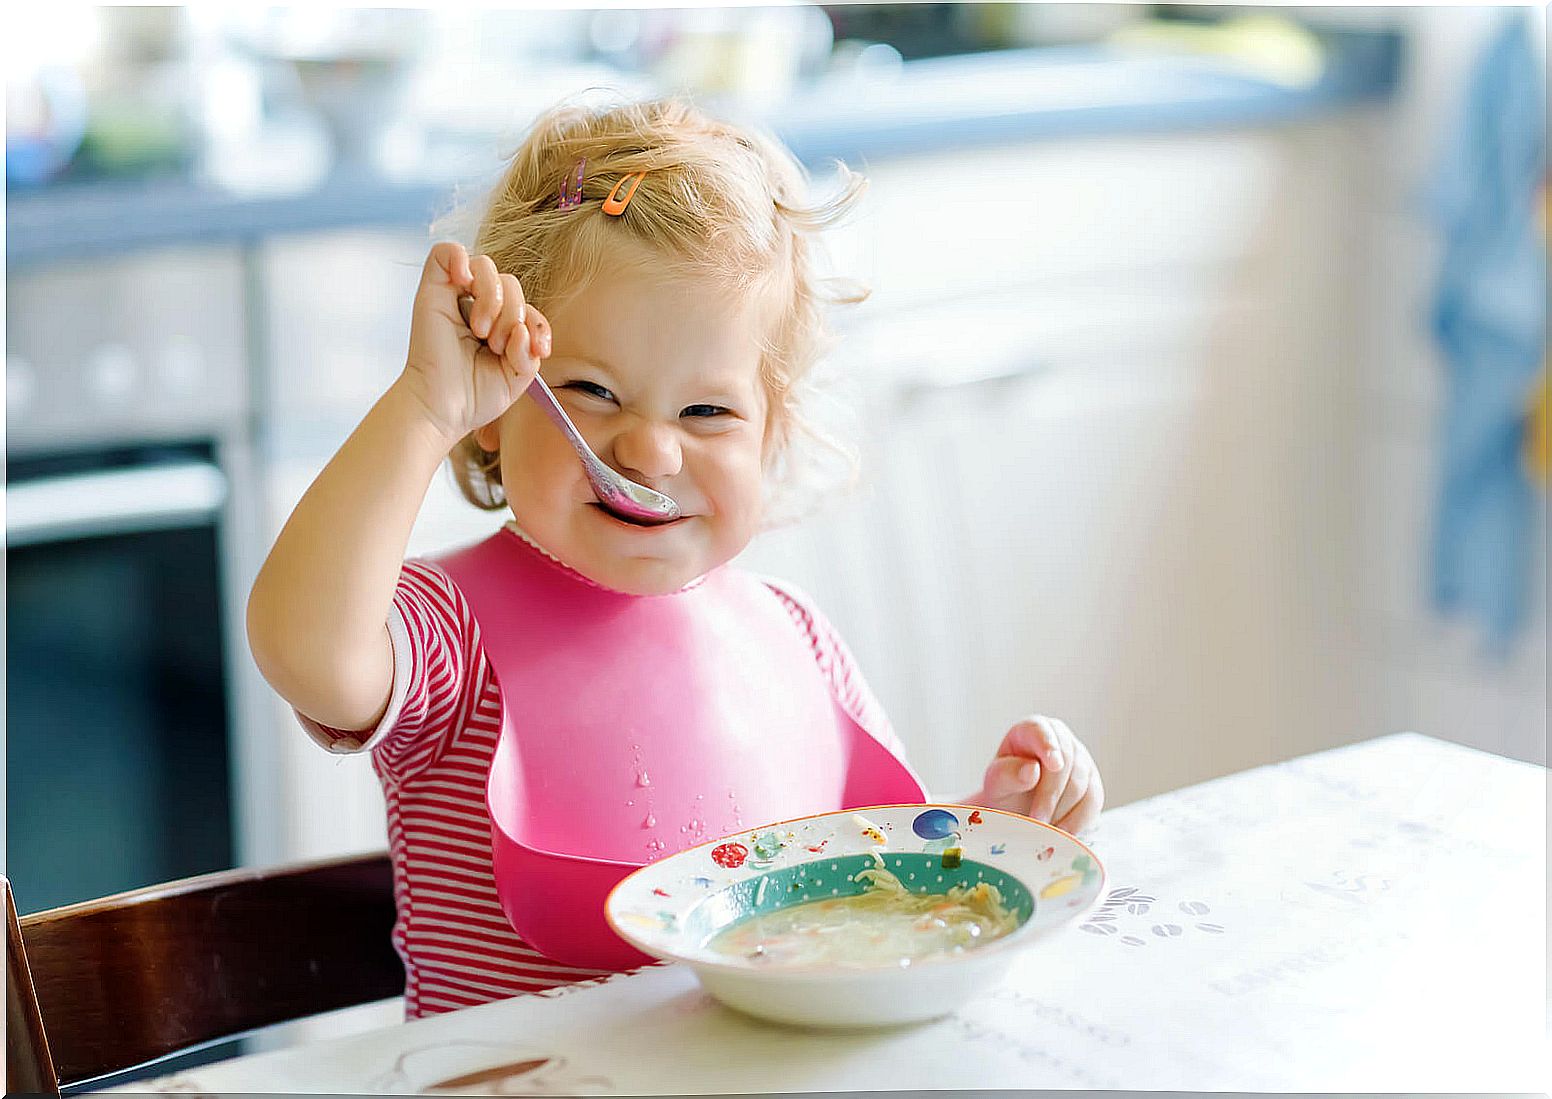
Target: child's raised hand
{"x": 467, "y": 380}
{"x": 1041, "y": 770}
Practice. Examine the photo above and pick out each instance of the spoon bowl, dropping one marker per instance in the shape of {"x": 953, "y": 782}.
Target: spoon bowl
{"x": 615, "y": 492}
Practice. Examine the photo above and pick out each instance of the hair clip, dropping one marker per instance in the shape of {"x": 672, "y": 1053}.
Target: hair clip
{"x": 615, "y": 204}
{"x": 571, "y": 198}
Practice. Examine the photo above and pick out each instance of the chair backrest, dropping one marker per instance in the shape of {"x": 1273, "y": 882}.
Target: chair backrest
{"x": 29, "y": 1069}
{"x": 137, "y": 976}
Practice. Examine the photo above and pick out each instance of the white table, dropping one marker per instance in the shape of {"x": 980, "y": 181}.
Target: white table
{"x": 1371, "y": 918}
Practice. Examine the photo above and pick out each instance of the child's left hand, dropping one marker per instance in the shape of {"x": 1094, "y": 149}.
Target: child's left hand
{"x": 1041, "y": 770}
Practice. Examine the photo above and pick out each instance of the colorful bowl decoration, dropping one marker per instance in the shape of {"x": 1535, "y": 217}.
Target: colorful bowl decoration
{"x": 672, "y": 908}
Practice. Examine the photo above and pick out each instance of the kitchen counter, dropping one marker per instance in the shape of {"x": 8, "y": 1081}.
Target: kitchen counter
{"x": 933, "y": 105}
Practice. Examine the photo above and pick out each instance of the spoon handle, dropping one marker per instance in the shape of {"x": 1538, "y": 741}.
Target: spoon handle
{"x": 545, "y": 399}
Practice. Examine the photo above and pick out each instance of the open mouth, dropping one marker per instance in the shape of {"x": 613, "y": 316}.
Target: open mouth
{"x": 646, "y": 524}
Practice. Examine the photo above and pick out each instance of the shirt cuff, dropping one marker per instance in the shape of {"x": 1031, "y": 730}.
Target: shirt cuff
{"x": 349, "y": 742}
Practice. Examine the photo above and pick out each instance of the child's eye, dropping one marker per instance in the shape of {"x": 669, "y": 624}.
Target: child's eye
{"x": 592, "y": 389}
{"x": 706, "y": 410}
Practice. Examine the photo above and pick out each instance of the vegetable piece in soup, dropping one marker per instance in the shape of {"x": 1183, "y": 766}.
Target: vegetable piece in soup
{"x": 886, "y": 926}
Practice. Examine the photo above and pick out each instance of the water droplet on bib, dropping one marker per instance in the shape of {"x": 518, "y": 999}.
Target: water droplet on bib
{"x": 643, "y": 780}
{"x": 649, "y": 821}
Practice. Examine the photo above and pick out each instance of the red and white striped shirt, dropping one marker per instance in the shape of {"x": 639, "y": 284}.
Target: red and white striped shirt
{"x": 432, "y": 752}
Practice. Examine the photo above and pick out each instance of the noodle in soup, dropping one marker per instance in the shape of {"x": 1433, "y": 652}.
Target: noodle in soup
{"x": 887, "y": 925}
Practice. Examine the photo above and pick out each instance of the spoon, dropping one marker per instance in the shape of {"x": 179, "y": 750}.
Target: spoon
{"x": 617, "y": 493}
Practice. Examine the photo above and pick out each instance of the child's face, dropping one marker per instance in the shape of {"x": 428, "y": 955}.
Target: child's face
{"x": 662, "y": 378}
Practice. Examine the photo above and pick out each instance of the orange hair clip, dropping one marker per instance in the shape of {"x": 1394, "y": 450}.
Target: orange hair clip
{"x": 615, "y": 204}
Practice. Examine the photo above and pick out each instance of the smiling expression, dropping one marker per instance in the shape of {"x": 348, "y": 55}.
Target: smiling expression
{"x": 662, "y": 378}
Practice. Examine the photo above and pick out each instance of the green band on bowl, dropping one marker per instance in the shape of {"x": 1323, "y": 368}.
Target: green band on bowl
{"x": 824, "y": 878}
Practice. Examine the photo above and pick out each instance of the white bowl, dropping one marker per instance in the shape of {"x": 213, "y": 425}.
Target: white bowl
{"x": 671, "y": 908}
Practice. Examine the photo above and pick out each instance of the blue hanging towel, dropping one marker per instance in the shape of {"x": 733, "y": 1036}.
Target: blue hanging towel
{"x": 1489, "y": 317}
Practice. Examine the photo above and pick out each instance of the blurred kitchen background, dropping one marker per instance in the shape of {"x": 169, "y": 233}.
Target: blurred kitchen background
{"x": 1230, "y": 456}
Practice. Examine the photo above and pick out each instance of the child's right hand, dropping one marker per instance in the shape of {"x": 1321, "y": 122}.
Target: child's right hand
{"x": 462, "y": 382}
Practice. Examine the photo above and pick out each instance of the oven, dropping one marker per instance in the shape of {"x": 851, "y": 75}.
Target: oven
{"x": 133, "y": 750}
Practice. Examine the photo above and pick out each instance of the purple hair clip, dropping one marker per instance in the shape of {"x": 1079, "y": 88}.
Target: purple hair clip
{"x": 571, "y": 198}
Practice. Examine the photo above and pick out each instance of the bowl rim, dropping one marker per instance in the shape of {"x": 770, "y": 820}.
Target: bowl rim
{"x": 1021, "y": 936}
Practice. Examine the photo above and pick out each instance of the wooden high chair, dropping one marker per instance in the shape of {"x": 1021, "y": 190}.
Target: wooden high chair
{"x": 107, "y": 985}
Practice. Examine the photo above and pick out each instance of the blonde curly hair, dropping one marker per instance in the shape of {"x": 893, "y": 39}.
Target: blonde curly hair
{"x": 718, "y": 202}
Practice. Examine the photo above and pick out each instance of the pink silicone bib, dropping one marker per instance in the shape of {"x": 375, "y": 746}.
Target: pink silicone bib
{"x": 637, "y": 726}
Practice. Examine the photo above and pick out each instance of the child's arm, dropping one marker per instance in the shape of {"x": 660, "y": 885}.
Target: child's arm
{"x": 318, "y": 612}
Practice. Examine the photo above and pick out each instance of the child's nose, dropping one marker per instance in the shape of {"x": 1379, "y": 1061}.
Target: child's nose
{"x": 649, "y": 450}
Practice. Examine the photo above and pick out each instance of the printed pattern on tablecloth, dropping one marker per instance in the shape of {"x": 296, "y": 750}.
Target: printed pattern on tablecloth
{"x": 1120, "y": 913}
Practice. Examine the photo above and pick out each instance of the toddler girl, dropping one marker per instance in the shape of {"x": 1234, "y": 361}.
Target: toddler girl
{"x": 658, "y": 263}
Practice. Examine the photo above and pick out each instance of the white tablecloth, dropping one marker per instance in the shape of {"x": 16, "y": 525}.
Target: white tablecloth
{"x": 1371, "y": 918}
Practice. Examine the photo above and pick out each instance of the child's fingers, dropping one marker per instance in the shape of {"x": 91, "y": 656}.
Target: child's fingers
{"x": 449, "y": 260}
{"x": 1076, "y": 789}
{"x": 1039, "y": 737}
{"x": 1047, "y": 792}
{"x": 1008, "y": 776}
{"x": 539, "y": 340}
{"x": 510, "y": 320}
{"x": 447, "y": 264}
{"x": 487, "y": 296}
{"x": 1086, "y": 811}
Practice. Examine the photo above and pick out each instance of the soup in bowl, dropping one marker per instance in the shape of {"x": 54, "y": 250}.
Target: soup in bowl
{"x": 861, "y": 917}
